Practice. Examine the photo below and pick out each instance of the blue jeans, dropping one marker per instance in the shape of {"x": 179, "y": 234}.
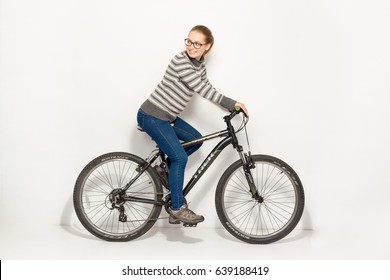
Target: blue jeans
{"x": 167, "y": 136}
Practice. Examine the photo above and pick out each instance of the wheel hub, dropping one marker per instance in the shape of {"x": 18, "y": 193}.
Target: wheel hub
{"x": 117, "y": 201}
{"x": 258, "y": 198}
{"x": 116, "y": 197}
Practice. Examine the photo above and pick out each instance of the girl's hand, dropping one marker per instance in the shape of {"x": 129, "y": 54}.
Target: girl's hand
{"x": 242, "y": 106}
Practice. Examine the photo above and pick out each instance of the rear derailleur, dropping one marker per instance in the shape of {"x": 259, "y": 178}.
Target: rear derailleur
{"x": 117, "y": 201}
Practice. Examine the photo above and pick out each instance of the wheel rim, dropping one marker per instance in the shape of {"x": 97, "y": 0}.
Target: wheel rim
{"x": 97, "y": 205}
{"x": 268, "y": 215}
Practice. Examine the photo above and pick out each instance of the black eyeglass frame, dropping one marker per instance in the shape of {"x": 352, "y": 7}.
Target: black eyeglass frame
{"x": 196, "y": 45}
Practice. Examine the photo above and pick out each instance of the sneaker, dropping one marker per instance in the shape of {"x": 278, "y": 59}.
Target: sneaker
{"x": 163, "y": 175}
{"x": 185, "y": 216}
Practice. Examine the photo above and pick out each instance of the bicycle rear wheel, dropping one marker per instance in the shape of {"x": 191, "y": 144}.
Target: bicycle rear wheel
{"x": 101, "y": 206}
{"x": 268, "y": 218}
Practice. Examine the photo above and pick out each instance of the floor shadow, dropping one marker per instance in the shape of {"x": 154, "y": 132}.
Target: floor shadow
{"x": 224, "y": 234}
{"x": 178, "y": 234}
{"x": 303, "y": 230}
{"x": 75, "y": 228}
{"x": 294, "y": 236}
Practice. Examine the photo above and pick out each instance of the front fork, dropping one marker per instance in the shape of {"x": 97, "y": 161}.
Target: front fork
{"x": 248, "y": 164}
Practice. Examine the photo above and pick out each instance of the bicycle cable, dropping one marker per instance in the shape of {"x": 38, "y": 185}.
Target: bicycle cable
{"x": 243, "y": 126}
{"x": 247, "y": 137}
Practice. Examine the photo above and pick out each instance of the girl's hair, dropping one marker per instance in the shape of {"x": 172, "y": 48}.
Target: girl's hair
{"x": 207, "y": 33}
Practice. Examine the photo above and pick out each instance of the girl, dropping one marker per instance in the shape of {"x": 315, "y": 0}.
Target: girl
{"x": 159, "y": 114}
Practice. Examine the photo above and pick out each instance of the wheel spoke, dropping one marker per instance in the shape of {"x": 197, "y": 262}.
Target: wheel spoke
{"x": 261, "y": 219}
{"x": 99, "y": 209}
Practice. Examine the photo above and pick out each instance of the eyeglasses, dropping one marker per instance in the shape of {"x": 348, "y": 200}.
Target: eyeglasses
{"x": 196, "y": 45}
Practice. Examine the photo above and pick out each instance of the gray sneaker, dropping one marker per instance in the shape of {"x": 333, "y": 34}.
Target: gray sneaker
{"x": 186, "y": 216}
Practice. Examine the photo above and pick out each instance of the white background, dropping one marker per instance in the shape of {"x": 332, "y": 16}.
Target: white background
{"x": 313, "y": 74}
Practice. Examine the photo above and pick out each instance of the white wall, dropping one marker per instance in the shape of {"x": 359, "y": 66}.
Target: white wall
{"x": 314, "y": 75}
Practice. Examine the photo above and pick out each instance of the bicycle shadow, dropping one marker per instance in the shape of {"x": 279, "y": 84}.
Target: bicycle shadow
{"x": 70, "y": 224}
{"x": 173, "y": 233}
{"x": 73, "y": 228}
{"x": 304, "y": 230}
{"x": 294, "y": 236}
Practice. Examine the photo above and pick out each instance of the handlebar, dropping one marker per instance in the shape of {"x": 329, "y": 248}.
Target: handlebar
{"x": 235, "y": 112}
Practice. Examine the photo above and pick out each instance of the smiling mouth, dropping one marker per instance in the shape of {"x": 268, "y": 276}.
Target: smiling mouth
{"x": 191, "y": 52}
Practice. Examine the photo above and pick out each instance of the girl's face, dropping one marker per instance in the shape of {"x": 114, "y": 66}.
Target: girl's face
{"x": 196, "y": 45}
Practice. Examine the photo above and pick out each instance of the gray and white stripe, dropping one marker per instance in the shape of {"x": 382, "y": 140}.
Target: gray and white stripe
{"x": 181, "y": 81}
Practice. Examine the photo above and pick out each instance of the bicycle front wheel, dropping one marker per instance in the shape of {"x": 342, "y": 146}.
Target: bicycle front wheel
{"x": 108, "y": 213}
{"x": 269, "y": 217}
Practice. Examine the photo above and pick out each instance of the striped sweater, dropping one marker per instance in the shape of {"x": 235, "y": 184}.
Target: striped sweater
{"x": 183, "y": 78}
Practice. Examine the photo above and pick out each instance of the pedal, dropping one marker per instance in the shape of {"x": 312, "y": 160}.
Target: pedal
{"x": 190, "y": 224}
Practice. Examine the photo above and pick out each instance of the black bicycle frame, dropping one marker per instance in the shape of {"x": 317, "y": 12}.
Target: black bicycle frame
{"x": 230, "y": 138}
{"x": 209, "y": 159}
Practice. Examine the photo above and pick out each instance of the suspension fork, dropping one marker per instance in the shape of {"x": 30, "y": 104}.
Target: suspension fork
{"x": 246, "y": 160}
{"x": 247, "y": 164}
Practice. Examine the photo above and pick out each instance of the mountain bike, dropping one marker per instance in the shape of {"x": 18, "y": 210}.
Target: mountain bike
{"x": 259, "y": 198}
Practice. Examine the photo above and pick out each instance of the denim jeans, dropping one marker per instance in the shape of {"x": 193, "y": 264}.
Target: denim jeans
{"x": 167, "y": 136}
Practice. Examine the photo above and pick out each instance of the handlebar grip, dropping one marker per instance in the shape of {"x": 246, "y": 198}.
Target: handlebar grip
{"x": 238, "y": 110}
{"x": 234, "y": 112}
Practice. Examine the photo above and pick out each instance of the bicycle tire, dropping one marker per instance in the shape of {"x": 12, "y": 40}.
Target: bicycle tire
{"x": 91, "y": 197}
{"x": 254, "y": 221}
